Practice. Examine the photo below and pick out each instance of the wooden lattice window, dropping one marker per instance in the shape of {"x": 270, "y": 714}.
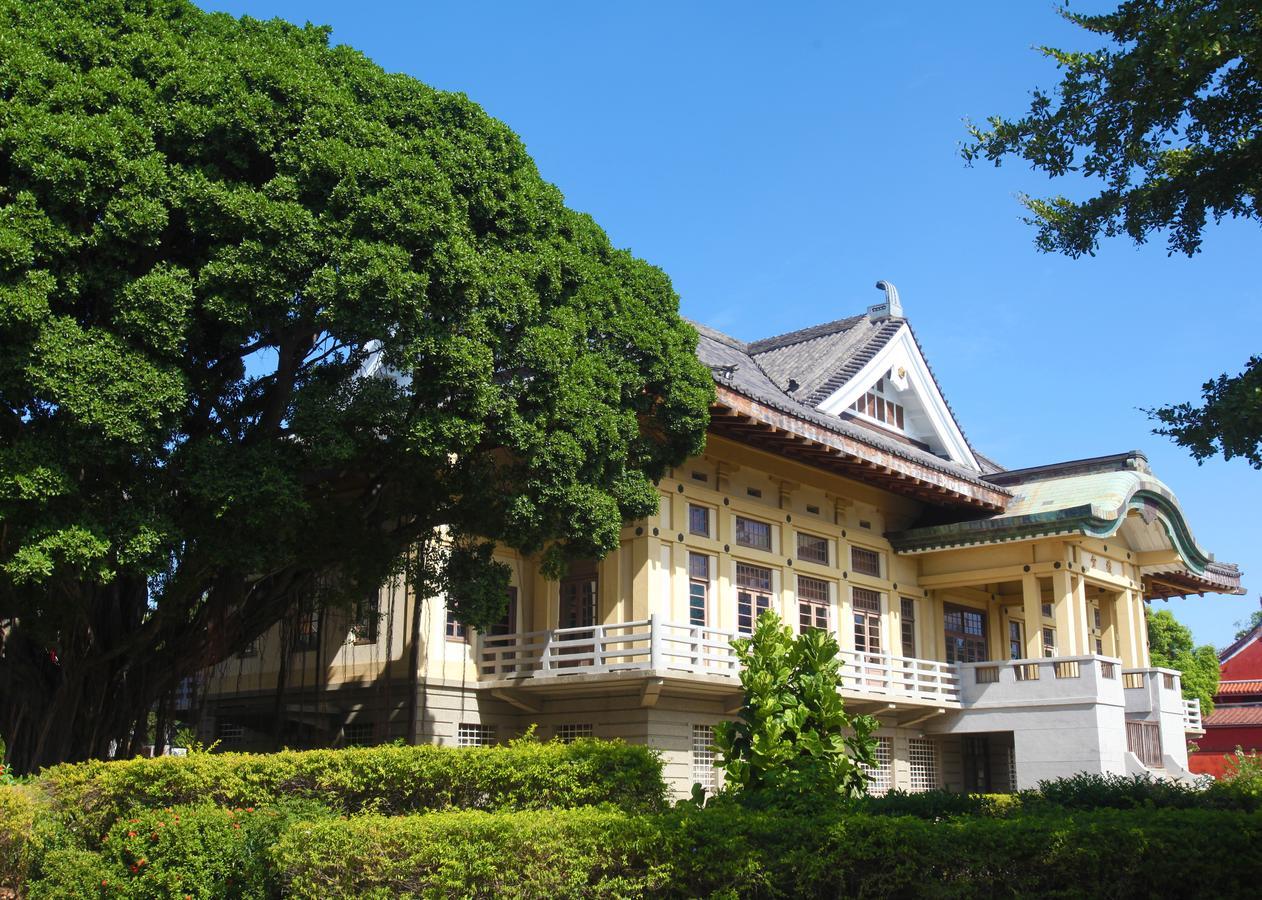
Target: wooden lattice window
{"x": 865, "y": 561}
{"x": 812, "y": 548}
{"x": 752, "y": 533}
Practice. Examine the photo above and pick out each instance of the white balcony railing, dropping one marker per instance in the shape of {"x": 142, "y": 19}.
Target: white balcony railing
{"x": 1192, "y": 715}
{"x": 651, "y": 644}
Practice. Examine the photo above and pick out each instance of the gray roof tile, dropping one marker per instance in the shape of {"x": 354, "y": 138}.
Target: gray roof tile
{"x": 734, "y": 367}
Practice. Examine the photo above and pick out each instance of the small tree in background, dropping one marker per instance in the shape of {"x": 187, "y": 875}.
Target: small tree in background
{"x": 793, "y": 740}
{"x": 1170, "y": 646}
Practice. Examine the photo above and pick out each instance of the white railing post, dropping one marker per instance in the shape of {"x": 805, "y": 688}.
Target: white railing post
{"x": 545, "y": 658}
{"x": 655, "y": 643}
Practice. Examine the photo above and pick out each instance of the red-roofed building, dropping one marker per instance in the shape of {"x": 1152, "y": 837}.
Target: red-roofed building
{"x": 1237, "y": 717}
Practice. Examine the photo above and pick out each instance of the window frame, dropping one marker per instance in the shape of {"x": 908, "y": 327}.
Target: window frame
{"x": 821, "y": 541}
{"x": 708, "y": 513}
{"x": 814, "y": 611}
{"x": 877, "y": 555}
{"x": 752, "y": 599}
{"x": 699, "y": 587}
{"x": 746, "y": 520}
{"x": 907, "y": 626}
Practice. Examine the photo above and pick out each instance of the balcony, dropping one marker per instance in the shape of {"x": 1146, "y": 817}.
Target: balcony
{"x": 668, "y": 649}
{"x": 1049, "y": 681}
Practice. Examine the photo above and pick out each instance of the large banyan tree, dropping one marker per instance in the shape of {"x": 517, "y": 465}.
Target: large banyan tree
{"x": 207, "y": 227}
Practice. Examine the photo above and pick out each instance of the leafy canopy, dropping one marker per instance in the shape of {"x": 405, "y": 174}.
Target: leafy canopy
{"x": 793, "y": 742}
{"x": 1168, "y": 121}
{"x": 207, "y": 226}
{"x": 1170, "y": 646}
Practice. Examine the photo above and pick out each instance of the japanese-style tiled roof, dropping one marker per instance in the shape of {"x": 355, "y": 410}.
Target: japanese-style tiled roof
{"x": 823, "y": 358}
{"x": 1092, "y": 497}
{"x": 1238, "y": 688}
{"x": 736, "y": 368}
{"x": 1234, "y": 717}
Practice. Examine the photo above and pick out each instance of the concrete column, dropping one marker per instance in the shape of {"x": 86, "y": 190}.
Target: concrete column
{"x": 1108, "y": 623}
{"x": 1082, "y": 628}
{"x": 1128, "y": 648}
{"x": 1141, "y": 629}
{"x": 1063, "y": 609}
{"x": 997, "y": 626}
{"x": 1032, "y": 605}
{"x": 645, "y": 553}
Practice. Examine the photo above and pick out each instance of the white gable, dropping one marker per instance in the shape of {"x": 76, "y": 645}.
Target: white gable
{"x": 904, "y": 378}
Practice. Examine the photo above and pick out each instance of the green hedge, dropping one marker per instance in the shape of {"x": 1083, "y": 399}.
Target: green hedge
{"x": 204, "y": 852}
{"x": 18, "y": 808}
{"x": 727, "y": 850}
{"x": 390, "y": 780}
{"x": 1079, "y": 792}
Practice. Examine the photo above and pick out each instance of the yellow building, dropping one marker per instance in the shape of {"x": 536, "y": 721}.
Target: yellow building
{"x": 993, "y": 620}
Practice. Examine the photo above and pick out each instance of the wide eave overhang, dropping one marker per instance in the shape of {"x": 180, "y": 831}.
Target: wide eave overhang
{"x": 748, "y": 421}
{"x": 1141, "y": 499}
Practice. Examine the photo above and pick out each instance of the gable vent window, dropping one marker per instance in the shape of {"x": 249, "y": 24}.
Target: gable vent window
{"x": 874, "y": 405}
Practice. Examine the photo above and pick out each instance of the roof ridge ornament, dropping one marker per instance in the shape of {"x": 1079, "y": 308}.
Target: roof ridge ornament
{"x": 892, "y": 308}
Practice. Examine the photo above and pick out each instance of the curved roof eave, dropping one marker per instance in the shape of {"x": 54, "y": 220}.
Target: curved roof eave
{"x": 1147, "y": 496}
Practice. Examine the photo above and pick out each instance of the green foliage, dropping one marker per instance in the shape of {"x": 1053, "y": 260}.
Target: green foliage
{"x": 1170, "y": 646}
{"x": 728, "y": 850}
{"x": 1228, "y": 421}
{"x": 200, "y": 851}
{"x": 207, "y": 227}
{"x": 1168, "y": 118}
{"x": 938, "y": 804}
{"x": 18, "y": 808}
{"x": 793, "y": 741}
{"x": 553, "y": 853}
{"x": 389, "y": 780}
{"x": 1243, "y": 778}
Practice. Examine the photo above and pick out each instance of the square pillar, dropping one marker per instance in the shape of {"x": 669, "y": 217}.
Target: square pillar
{"x": 1063, "y": 596}
{"x": 1032, "y": 605}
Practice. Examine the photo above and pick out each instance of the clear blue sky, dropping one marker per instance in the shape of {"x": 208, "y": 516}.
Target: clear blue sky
{"x": 777, "y": 159}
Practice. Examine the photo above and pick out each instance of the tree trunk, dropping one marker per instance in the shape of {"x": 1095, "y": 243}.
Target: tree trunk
{"x": 414, "y": 665}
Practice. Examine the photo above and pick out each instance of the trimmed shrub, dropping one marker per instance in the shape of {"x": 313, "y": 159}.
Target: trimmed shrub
{"x": 199, "y": 852}
{"x": 550, "y": 853}
{"x": 726, "y": 850}
{"x": 18, "y": 808}
{"x": 390, "y": 780}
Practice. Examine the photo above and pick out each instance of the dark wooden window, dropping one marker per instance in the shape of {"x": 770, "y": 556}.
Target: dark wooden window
{"x": 867, "y": 620}
{"x": 1016, "y": 646}
{"x": 907, "y": 610}
{"x": 1049, "y": 641}
{"x": 752, "y": 533}
{"x": 367, "y": 617}
{"x": 865, "y": 562}
{"x": 699, "y": 520}
{"x": 753, "y": 595}
{"x": 812, "y": 603}
{"x": 965, "y": 634}
{"x": 812, "y": 548}
{"x": 698, "y": 587}
{"x": 578, "y": 602}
